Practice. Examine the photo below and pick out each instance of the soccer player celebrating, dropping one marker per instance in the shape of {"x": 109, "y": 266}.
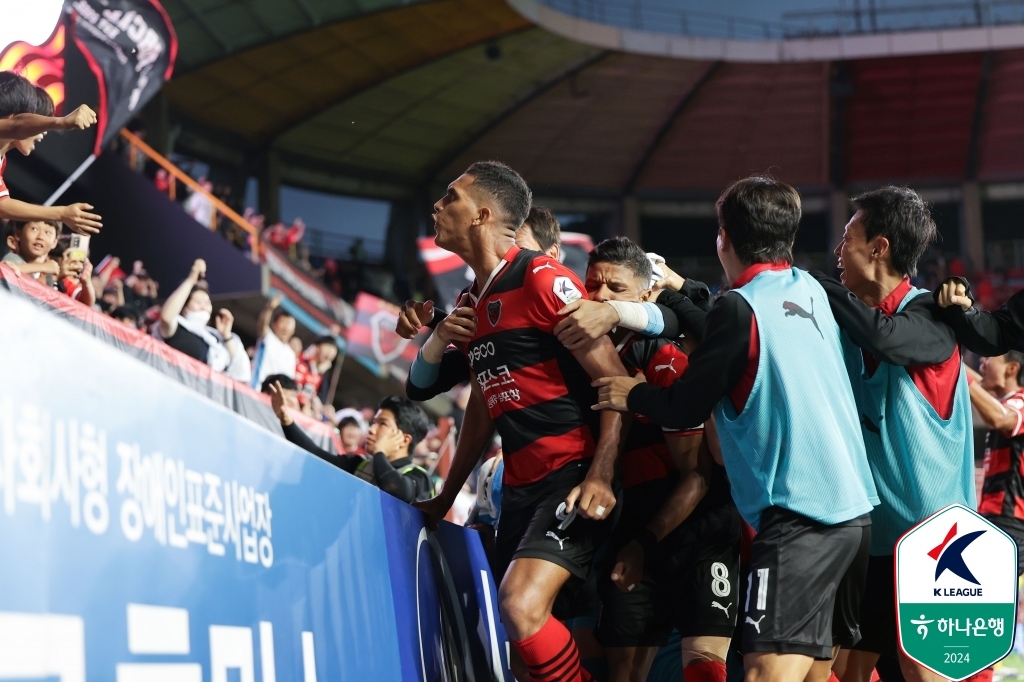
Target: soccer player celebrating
{"x": 998, "y": 395}
{"x": 771, "y": 368}
{"x": 676, "y": 547}
{"x": 559, "y": 455}
{"x": 912, "y": 395}
{"x": 435, "y": 370}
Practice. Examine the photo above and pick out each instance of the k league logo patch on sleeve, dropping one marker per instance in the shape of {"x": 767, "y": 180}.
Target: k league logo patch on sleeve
{"x": 565, "y": 290}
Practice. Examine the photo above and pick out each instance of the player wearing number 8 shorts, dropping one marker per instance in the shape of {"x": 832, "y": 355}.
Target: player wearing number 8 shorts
{"x": 674, "y": 556}
{"x": 770, "y": 366}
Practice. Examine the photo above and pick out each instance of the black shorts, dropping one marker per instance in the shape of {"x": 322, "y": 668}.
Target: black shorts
{"x": 704, "y": 573}
{"x": 691, "y": 584}
{"x": 805, "y": 584}
{"x": 878, "y": 608}
{"x": 529, "y": 527}
{"x": 1013, "y": 528}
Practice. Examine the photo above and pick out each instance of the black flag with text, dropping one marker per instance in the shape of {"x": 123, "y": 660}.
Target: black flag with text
{"x": 130, "y": 47}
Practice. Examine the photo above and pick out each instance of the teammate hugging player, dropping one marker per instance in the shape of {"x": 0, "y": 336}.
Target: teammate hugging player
{"x": 771, "y": 367}
{"x": 675, "y": 551}
{"x": 911, "y": 391}
{"x": 559, "y": 454}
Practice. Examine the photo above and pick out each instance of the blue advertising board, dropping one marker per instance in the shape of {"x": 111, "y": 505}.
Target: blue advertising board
{"x": 148, "y": 533}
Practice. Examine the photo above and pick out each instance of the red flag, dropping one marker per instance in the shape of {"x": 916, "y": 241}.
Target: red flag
{"x": 372, "y": 336}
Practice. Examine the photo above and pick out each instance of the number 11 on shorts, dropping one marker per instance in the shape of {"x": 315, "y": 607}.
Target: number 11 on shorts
{"x": 762, "y": 589}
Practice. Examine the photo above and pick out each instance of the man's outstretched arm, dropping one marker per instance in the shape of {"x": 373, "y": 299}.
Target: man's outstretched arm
{"x": 477, "y": 431}
{"x": 914, "y": 336}
{"x": 715, "y": 368}
{"x": 989, "y": 334}
{"x": 594, "y": 495}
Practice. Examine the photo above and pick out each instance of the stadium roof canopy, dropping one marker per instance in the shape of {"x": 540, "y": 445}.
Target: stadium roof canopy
{"x": 393, "y": 99}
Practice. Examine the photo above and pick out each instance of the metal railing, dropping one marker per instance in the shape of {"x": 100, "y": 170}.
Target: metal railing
{"x": 219, "y": 207}
{"x": 330, "y": 244}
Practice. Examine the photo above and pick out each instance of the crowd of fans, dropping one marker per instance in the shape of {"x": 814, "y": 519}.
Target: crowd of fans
{"x": 398, "y": 439}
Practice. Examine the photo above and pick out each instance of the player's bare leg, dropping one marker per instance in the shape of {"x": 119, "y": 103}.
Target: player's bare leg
{"x": 587, "y": 644}
{"x": 704, "y": 658}
{"x": 525, "y": 599}
{"x": 913, "y": 672}
{"x": 519, "y": 669}
{"x": 821, "y": 671}
{"x": 854, "y": 665}
{"x": 629, "y": 663}
{"x": 773, "y": 667}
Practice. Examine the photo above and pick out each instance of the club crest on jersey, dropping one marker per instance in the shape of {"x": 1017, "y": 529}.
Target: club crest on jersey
{"x": 565, "y": 290}
{"x": 494, "y": 312}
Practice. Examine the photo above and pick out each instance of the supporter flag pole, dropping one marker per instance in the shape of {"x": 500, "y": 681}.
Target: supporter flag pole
{"x": 84, "y": 166}
{"x": 127, "y": 75}
{"x": 335, "y": 376}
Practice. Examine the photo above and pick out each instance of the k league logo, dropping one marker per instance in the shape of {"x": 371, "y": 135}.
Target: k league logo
{"x": 949, "y": 556}
{"x": 956, "y": 592}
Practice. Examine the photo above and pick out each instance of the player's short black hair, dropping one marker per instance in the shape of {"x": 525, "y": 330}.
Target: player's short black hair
{"x": 508, "y": 189}
{"x": 761, "y": 216}
{"x": 287, "y": 383}
{"x": 900, "y": 215}
{"x": 1018, "y": 357}
{"x": 19, "y": 96}
{"x": 625, "y": 252}
{"x": 125, "y": 313}
{"x": 409, "y": 418}
{"x": 544, "y": 226}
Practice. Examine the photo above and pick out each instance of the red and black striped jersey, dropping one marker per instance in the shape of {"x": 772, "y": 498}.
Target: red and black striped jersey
{"x": 538, "y": 395}
{"x": 1002, "y": 494}
{"x": 645, "y": 455}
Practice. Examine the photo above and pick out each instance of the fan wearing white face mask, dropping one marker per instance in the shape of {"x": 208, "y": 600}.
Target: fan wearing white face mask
{"x": 183, "y": 325}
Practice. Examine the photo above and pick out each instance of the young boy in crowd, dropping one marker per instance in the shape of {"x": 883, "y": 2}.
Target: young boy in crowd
{"x": 75, "y": 275}
{"x": 30, "y": 244}
{"x": 26, "y": 115}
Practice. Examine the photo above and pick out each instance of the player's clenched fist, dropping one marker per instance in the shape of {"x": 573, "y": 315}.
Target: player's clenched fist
{"x": 460, "y": 325}
{"x": 79, "y": 119}
{"x": 414, "y": 315}
{"x": 953, "y": 292}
